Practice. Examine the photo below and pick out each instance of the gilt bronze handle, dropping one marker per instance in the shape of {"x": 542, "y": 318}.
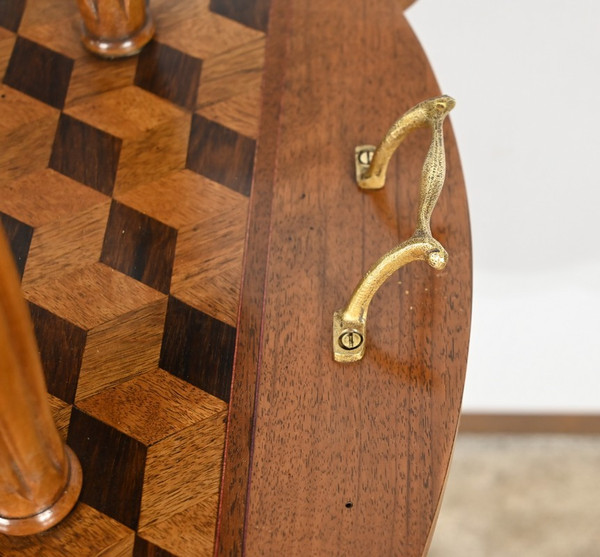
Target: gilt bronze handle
{"x": 349, "y": 323}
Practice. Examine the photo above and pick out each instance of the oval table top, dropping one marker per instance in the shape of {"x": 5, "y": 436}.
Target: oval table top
{"x": 131, "y": 189}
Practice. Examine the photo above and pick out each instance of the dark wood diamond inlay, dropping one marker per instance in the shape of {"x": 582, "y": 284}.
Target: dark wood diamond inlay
{"x": 169, "y": 73}
{"x": 113, "y": 464}
{"x": 19, "y": 237}
{"x": 11, "y": 12}
{"x": 221, "y": 154}
{"x": 198, "y": 349}
{"x": 139, "y": 246}
{"x": 143, "y": 548}
{"x": 86, "y": 154}
{"x": 252, "y": 13}
{"x": 47, "y": 74}
{"x": 61, "y": 345}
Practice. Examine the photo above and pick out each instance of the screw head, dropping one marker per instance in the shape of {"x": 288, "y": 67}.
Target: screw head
{"x": 365, "y": 157}
{"x": 350, "y": 339}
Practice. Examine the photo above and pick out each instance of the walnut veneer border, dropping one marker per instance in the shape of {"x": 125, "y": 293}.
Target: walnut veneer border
{"x": 323, "y": 458}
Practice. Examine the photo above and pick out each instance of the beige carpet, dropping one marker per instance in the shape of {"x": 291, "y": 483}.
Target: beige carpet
{"x": 525, "y": 496}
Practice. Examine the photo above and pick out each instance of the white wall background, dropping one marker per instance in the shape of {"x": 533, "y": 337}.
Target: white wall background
{"x": 526, "y": 77}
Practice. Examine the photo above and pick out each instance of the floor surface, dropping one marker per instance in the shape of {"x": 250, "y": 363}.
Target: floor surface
{"x": 525, "y": 495}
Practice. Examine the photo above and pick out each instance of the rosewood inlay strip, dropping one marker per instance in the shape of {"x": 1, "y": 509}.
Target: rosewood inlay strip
{"x": 85, "y": 154}
{"x": 114, "y": 457}
{"x": 11, "y": 14}
{"x": 198, "y": 348}
{"x": 221, "y": 154}
{"x": 48, "y": 77}
{"x": 253, "y": 13}
{"x": 19, "y": 236}
{"x": 139, "y": 246}
{"x": 169, "y": 73}
{"x": 61, "y": 345}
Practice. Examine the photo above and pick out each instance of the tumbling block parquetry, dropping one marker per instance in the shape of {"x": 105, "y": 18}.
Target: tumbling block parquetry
{"x": 56, "y": 25}
{"x": 19, "y": 237}
{"x": 86, "y": 154}
{"x": 221, "y": 154}
{"x": 189, "y": 349}
{"x": 169, "y": 73}
{"x": 208, "y": 265}
{"x": 61, "y": 413}
{"x": 183, "y": 199}
{"x": 124, "y": 190}
{"x": 18, "y": 109}
{"x": 192, "y": 28}
{"x": 90, "y": 77}
{"x": 161, "y": 404}
{"x": 11, "y": 14}
{"x": 92, "y": 296}
{"x": 61, "y": 345}
{"x": 139, "y": 246}
{"x": 122, "y": 348}
{"x": 195, "y": 450}
{"x": 116, "y": 459}
{"x": 47, "y": 196}
{"x": 64, "y": 245}
{"x": 27, "y": 128}
{"x": 48, "y": 77}
{"x": 158, "y": 152}
{"x": 125, "y": 112}
{"x": 253, "y": 13}
{"x": 232, "y": 73}
{"x": 188, "y": 500}
{"x": 197, "y": 524}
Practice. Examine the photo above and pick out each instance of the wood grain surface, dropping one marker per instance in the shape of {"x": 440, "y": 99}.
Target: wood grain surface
{"x": 118, "y": 309}
{"x": 325, "y": 458}
{"x": 130, "y": 253}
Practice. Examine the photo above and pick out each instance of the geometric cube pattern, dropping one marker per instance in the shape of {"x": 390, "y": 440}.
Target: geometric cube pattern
{"x": 186, "y": 354}
{"x": 11, "y": 14}
{"x": 139, "y": 246}
{"x": 254, "y": 13}
{"x": 213, "y": 148}
{"x": 169, "y": 73}
{"x": 124, "y": 191}
{"x": 61, "y": 345}
{"x": 48, "y": 80}
{"x": 117, "y": 469}
{"x": 19, "y": 238}
{"x": 85, "y": 154}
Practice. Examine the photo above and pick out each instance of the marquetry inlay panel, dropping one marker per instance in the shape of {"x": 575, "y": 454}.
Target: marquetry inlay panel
{"x": 124, "y": 191}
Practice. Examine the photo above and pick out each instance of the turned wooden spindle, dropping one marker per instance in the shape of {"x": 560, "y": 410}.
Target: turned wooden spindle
{"x": 115, "y": 28}
{"x": 40, "y": 477}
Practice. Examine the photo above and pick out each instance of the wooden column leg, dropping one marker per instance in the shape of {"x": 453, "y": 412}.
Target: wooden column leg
{"x": 40, "y": 477}
{"x": 113, "y": 28}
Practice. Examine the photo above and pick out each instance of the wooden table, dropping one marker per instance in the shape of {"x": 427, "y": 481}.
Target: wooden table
{"x": 125, "y": 186}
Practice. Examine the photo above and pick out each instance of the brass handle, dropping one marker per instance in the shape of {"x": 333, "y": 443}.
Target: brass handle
{"x": 349, "y": 324}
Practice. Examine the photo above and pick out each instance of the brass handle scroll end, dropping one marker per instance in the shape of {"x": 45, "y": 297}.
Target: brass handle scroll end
{"x": 350, "y": 323}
